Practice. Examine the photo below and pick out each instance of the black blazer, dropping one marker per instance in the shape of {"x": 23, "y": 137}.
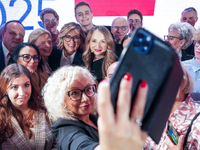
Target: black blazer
{"x": 55, "y": 57}
{"x": 2, "y": 61}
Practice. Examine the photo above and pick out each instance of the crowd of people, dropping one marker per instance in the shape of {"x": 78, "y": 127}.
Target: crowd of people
{"x": 55, "y": 91}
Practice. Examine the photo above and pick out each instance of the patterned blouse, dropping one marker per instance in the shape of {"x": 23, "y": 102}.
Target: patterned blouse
{"x": 181, "y": 119}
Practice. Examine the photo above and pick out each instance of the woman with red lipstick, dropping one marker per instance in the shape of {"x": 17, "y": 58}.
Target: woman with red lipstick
{"x": 29, "y": 56}
{"x": 70, "y": 97}
{"x": 23, "y": 116}
{"x": 99, "y": 53}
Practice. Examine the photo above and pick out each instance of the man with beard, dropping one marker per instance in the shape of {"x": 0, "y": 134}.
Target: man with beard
{"x": 12, "y": 34}
{"x": 50, "y": 21}
{"x": 135, "y": 19}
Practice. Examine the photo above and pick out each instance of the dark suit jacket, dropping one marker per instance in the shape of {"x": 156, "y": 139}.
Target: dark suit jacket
{"x": 55, "y": 57}
{"x": 185, "y": 56}
{"x": 2, "y": 61}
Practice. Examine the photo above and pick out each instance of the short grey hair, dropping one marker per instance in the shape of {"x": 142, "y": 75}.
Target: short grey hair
{"x": 185, "y": 30}
{"x": 54, "y": 91}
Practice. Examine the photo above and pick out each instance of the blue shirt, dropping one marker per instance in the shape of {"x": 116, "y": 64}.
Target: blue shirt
{"x": 194, "y": 69}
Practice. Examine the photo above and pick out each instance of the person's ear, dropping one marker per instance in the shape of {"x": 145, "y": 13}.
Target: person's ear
{"x": 182, "y": 42}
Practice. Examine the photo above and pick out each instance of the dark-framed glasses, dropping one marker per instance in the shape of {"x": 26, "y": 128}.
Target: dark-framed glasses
{"x": 47, "y": 21}
{"x": 27, "y": 58}
{"x": 196, "y": 44}
{"x": 76, "y": 94}
{"x": 170, "y": 38}
{"x": 68, "y": 38}
{"x": 136, "y": 21}
{"x": 123, "y": 28}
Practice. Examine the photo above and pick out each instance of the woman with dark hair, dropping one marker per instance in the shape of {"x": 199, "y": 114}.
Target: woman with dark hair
{"x": 28, "y": 55}
{"x": 23, "y": 116}
{"x": 99, "y": 53}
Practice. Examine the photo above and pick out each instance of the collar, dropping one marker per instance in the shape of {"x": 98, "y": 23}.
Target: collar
{"x": 195, "y": 66}
{"x": 5, "y": 50}
{"x": 71, "y": 57}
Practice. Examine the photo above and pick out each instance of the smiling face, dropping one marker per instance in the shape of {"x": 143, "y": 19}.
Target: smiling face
{"x": 19, "y": 91}
{"x": 31, "y": 66}
{"x": 71, "y": 46}
{"x": 98, "y": 44}
{"x": 197, "y": 50}
{"x": 50, "y": 22}
{"x": 13, "y": 35}
{"x": 84, "y": 15}
{"x": 84, "y": 106}
{"x": 45, "y": 45}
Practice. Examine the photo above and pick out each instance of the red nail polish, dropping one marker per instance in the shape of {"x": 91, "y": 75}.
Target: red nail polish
{"x": 104, "y": 80}
{"x": 127, "y": 76}
{"x": 143, "y": 84}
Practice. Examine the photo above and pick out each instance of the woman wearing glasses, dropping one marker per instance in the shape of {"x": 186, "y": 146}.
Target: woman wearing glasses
{"x": 24, "y": 123}
{"x": 28, "y": 55}
{"x": 70, "y": 97}
{"x": 180, "y": 37}
{"x": 71, "y": 44}
{"x": 99, "y": 53}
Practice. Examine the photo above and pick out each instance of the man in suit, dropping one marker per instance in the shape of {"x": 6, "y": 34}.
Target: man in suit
{"x": 12, "y": 35}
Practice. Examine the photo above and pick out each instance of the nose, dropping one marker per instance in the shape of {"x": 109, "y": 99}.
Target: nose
{"x": 21, "y": 91}
{"x": 84, "y": 97}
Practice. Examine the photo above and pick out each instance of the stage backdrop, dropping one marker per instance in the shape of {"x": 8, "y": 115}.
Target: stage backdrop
{"x": 158, "y": 14}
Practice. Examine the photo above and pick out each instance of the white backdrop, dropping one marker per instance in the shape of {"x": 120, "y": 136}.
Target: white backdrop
{"x": 166, "y": 12}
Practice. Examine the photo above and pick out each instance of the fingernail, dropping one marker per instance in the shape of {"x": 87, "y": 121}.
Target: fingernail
{"x": 127, "y": 76}
{"x": 143, "y": 84}
{"x": 104, "y": 80}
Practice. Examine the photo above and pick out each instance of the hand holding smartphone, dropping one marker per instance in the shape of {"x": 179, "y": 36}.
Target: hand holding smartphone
{"x": 147, "y": 57}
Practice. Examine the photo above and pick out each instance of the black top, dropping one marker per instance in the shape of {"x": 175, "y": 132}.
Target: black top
{"x": 119, "y": 47}
{"x": 75, "y": 134}
{"x": 96, "y": 69}
{"x": 190, "y": 49}
{"x": 55, "y": 57}
{"x": 186, "y": 56}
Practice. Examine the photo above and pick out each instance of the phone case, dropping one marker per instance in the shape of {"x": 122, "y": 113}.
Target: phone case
{"x": 149, "y": 58}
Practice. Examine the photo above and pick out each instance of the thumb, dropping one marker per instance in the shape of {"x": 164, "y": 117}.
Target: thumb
{"x": 180, "y": 141}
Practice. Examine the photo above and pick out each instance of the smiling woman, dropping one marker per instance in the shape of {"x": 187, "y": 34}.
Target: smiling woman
{"x": 99, "y": 53}
{"x": 28, "y": 55}
{"x": 23, "y": 115}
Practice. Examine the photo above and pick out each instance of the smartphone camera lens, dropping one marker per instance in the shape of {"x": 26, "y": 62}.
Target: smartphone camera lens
{"x": 136, "y": 44}
{"x": 146, "y": 44}
{"x": 140, "y": 35}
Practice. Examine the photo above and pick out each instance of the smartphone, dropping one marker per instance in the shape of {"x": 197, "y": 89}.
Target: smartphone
{"x": 172, "y": 133}
{"x": 147, "y": 57}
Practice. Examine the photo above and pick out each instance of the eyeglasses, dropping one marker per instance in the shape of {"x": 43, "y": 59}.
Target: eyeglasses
{"x": 27, "y": 58}
{"x": 170, "y": 38}
{"x": 48, "y": 21}
{"x": 76, "y": 95}
{"x": 196, "y": 44}
{"x": 75, "y": 38}
{"x": 136, "y": 21}
{"x": 123, "y": 28}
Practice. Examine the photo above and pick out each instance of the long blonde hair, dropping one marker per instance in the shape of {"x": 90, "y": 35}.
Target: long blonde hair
{"x": 109, "y": 58}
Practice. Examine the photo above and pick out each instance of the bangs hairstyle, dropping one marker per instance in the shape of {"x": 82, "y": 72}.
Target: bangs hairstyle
{"x": 8, "y": 110}
{"x": 109, "y": 58}
{"x": 196, "y": 36}
{"x": 66, "y": 29}
{"x": 54, "y": 91}
{"x": 187, "y": 81}
{"x": 35, "y": 34}
{"x": 46, "y": 11}
{"x": 81, "y": 4}
{"x": 185, "y": 30}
